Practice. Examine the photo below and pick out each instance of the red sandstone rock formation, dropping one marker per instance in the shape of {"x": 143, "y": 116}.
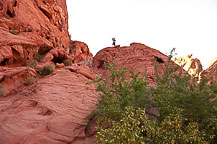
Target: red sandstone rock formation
{"x": 32, "y": 27}
{"x": 211, "y": 72}
{"x": 28, "y": 27}
{"x": 79, "y": 52}
{"x": 12, "y": 79}
{"x": 137, "y": 56}
{"x": 51, "y": 111}
{"x": 191, "y": 65}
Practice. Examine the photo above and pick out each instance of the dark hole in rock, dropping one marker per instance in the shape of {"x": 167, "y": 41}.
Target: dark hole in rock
{"x": 15, "y": 3}
{"x": 58, "y": 60}
{"x": 101, "y": 65}
{"x": 4, "y": 62}
{"x": 159, "y": 60}
{"x": 10, "y": 14}
{"x": 47, "y": 37}
{"x": 1, "y": 6}
{"x": 47, "y": 14}
{"x": 48, "y": 112}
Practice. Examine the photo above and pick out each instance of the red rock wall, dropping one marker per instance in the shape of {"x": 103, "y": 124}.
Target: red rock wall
{"x": 210, "y": 72}
{"x": 31, "y": 26}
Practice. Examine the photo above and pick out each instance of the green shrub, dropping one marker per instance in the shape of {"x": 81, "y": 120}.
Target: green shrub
{"x": 32, "y": 64}
{"x": 134, "y": 127}
{"x": 38, "y": 56}
{"x": 29, "y": 81}
{"x": 185, "y": 112}
{"x": 14, "y": 32}
{"x": 47, "y": 70}
{"x": 67, "y": 62}
{"x": 2, "y": 91}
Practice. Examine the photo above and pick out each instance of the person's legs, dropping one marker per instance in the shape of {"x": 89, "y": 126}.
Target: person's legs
{"x": 113, "y": 44}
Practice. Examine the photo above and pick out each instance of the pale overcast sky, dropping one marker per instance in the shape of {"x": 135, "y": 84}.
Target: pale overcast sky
{"x": 188, "y": 25}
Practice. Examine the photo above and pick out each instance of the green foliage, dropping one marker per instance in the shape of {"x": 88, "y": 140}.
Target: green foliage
{"x": 38, "y": 56}
{"x": 29, "y": 81}
{"x": 14, "y": 32}
{"x": 47, "y": 70}
{"x": 184, "y": 111}
{"x": 2, "y": 91}
{"x": 67, "y": 62}
{"x": 134, "y": 127}
{"x": 32, "y": 64}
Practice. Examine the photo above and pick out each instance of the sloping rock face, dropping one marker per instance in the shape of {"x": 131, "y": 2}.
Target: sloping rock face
{"x": 138, "y": 57}
{"x": 211, "y": 72}
{"x": 191, "y": 65}
{"x": 12, "y": 79}
{"x": 51, "y": 111}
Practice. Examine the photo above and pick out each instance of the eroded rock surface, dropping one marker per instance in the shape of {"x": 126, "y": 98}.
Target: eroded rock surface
{"x": 210, "y": 72}
{"x": 28, "y": 27}
{"x": 11, "y": 79}
{"x": 138, "y": 57}
{"x": 191, "y": 65}
{"x": 51, "y": 111}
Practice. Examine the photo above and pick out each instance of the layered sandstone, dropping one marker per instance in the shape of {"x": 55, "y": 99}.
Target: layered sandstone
{"x": 36, "y": 27}
{"x": 28, "y": 27}
{"x": 210, "y": 72}
{"x": 51, "y": 111}
{"x": 137, "y": 57}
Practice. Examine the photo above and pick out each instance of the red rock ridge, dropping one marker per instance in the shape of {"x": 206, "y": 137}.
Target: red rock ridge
{"x": 211, "y": 71}
{"x": 138, "y": 57}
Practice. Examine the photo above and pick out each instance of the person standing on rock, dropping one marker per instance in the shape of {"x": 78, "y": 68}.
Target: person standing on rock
{"x": 113, "y": 39}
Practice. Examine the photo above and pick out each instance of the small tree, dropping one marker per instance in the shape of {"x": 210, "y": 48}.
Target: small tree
{"x": 184, "y": 111}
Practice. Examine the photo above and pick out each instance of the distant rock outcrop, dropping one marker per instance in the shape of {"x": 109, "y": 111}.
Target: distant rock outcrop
{"x": 191, "y": 65}
{"x": 211, "y": 71}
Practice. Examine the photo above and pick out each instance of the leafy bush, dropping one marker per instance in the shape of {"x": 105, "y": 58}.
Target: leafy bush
{"x": 38, "y": 56}
{"x": 47, "y": 70}
{"x": 67, "y": 62}
{"x": 2, "y": 92}
{"x": 29, "y": 81}
{"x": 32, "y": 64}
{"x": 178, "y": 110}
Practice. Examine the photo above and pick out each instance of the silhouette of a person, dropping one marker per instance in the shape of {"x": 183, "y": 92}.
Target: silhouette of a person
{"x": 113, "y": 39}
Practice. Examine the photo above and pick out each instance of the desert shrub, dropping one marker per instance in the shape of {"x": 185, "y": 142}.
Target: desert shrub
{"x": 2, "y": 92}
{"x": 14, "y": 32}
{"x": 67, "y": 62}
{"x": 47, "y": 70}
{"x": 134, "y": 127}
{"x": 186, "y": 112}
{"x": 32, "y": 64}
{"x": 29, "y": 80}
{"x": 38, "y": 56}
